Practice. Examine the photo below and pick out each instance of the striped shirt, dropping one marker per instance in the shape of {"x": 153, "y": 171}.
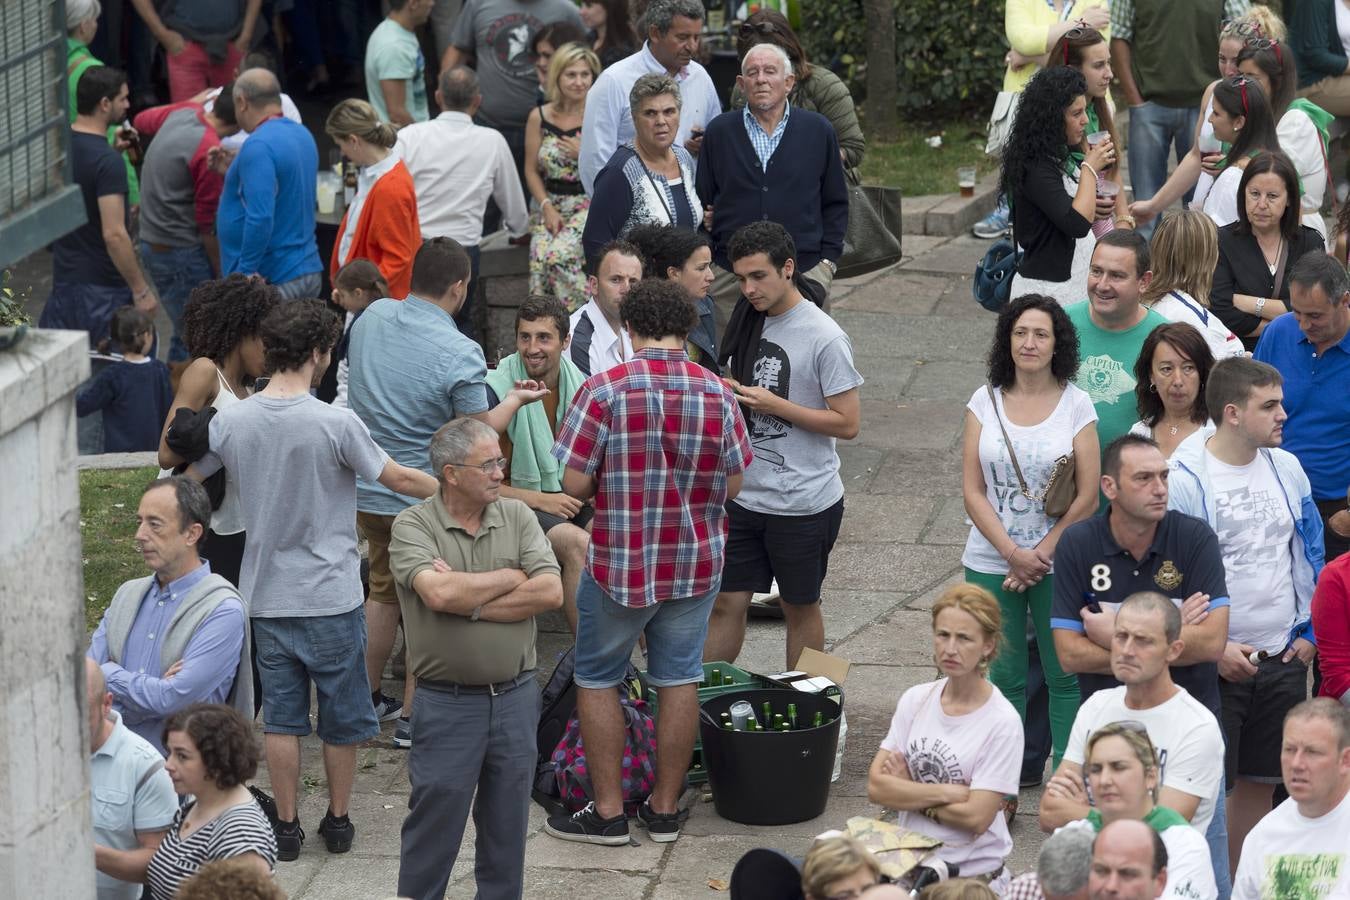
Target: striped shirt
{"x": 661, "y": 435}
{"x": 238, "y": 830}
{"x": 765, "y": 144}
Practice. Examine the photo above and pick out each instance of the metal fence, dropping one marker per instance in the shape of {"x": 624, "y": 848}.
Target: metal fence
{"x": 37, "y": 201}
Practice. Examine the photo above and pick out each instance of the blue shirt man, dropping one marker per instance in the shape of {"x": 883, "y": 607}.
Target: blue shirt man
{"x": 265, "y": 220}
{"x": 182, "y": 611}
{"x": 132, "y": 797}
{"x": 1311, "y": 349}
{"x": 411, "y": 370}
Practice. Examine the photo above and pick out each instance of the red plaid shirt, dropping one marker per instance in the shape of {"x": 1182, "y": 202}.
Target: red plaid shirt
{"x": 661, "y": 435}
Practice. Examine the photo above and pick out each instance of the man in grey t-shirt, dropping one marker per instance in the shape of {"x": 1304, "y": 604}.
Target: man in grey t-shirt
{"x": 800, "y": 392}
{"x": 494, "y": 37}
{"x": 296, "y": 460}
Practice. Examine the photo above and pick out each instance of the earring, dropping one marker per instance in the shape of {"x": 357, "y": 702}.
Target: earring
{"x": 1152, "y": 388}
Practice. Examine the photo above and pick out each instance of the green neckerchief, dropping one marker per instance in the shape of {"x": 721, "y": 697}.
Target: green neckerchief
{"x": 533, "y": 467}
{"x": 1073, "y": 163}
{"x": 1159, "y": 818}
{"x": 1094, "y": 124}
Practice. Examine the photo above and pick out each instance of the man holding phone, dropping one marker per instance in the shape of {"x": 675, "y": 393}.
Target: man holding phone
{"x": 799, "y": 389}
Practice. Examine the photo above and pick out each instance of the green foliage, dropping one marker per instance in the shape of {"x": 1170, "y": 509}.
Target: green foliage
{"x": 949, "y": 53}
{"x": 11, "y": 304}
{"x": 108, "y": 501}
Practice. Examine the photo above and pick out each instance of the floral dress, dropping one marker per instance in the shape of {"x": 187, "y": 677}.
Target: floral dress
{"x": 556, "y": 259}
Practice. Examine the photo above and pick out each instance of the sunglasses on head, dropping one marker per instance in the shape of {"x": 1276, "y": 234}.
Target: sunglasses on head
{"x": 1267, "y": 44}
{"x": 1240, "y": 28}
{"x": 1240, "y": 82}
{"x": 750, "y": 29}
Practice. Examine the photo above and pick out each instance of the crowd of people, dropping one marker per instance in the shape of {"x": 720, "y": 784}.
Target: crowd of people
{"x": 1155, "y": 476}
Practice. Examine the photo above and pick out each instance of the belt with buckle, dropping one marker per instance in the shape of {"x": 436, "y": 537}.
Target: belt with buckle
{"x": 499, "y": 687}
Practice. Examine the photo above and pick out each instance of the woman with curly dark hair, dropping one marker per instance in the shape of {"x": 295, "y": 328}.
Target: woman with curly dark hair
{"x": 211, "y": 753}
{"x": 1030, "y": 402}
{"x": 1170, "y": 377}
{"x": 1053, "y": 185}
{"x": 221, "y": 328}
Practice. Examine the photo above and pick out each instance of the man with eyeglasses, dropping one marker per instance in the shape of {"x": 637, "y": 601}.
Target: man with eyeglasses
{"x": 411, "y": 370}
{"x": 472, "y": 570}
{"x": 1146, "y": 640}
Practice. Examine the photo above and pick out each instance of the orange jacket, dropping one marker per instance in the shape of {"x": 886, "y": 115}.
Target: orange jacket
{"x": 388, "y": 233}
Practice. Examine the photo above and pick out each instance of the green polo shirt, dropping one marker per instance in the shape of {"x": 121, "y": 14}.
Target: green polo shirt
{"x": 450, "y": 648}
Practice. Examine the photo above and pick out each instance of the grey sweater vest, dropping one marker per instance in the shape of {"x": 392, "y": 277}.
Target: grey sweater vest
{"x": 200, "y": 602}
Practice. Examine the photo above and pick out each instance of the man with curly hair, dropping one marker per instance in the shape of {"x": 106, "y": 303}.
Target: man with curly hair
{"x": 297, "y": 459}
{"x": 660, "y": 445}
{"x": 799, "y": 388}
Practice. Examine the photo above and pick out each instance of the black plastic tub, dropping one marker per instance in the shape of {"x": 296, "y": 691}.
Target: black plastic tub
{"x": 770, "y": 777}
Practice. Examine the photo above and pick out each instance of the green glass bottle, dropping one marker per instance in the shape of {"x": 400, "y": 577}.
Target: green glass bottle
{"x": 767, "y": 707}
{"x": 778, "y": 722}
{"x": 715, "y": 678}
{"x": 727, "y": 724}
{"x": 819, "y": 719}
{"x": 783, "y": 726}
{"x": 792, "y": 715}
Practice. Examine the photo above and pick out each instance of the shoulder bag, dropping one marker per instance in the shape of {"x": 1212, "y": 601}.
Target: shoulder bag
{"x": 1060, "y": 488}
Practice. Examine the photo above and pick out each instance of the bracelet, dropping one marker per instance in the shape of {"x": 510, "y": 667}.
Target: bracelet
{"x": 1009, "y": 557}
{"x": 1123, "y": 220}
{"x": 1087, "y": 165}
{"x": 143, "y": 292}
{"x": 1260, "y": 304}
{"x": 546, "y": 202}
{"x": 931, "y": 813}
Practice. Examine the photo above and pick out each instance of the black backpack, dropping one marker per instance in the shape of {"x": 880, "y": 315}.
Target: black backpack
{"x": 557, "y": 707}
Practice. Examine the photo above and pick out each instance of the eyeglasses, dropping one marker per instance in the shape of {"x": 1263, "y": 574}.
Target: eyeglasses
{"x": 852, "y": 893}
{"x": 1240, "y": 28}
{"x": 485, "y": 467}
{"x": 749, "y": 29}
{"x": 1268, "y": 44}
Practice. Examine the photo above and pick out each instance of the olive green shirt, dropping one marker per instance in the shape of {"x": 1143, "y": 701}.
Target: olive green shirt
{"x": 450, "y": 648}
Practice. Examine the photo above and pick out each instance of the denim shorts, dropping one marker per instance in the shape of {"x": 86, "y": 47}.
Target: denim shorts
{"x": 607, "y": 631}
{"x": 330, "y": 652}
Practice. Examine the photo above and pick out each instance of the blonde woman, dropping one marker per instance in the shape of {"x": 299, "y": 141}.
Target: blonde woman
{"x": 1123, "y": 772}
{"x": 381, "y": 224}
{"x": 1185, "y": 252}
{"x": 838, "y": 866}
{"x": 553, "y": 142}
{"x": 954, "y": 749}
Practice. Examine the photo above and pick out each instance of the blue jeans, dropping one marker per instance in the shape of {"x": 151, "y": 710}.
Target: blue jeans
{"x": 330, "y": 653}
{"x": 607, "y": 631}
{"x": 1154, "y": 130}
{"x": 84, "y": 307}
{"x": 306, "y": 287}
{"x": 175, "y": 272}
{"x": 1216, "y": 835}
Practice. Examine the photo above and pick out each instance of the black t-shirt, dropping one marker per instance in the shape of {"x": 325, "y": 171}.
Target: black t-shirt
{"x": 1090, "y": 567}
{"x": 81, "y": 257}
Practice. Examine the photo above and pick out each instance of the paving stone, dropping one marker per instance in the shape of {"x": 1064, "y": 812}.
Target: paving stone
{"x": 858, "y": 464}
{"x": 902, "y": 292}
{"x": 903, "y": 639}
{"x": 919, "y": 424}
{"x": 904, "y": 567}
{"x": 949, "y": 525}
{"x": 880, "y": 519}
{"x": 957, "y": 256}
{"x": 919, "y": 470}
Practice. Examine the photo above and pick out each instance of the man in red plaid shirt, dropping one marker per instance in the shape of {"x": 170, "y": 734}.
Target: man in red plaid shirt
{"x": 660, "y": 444}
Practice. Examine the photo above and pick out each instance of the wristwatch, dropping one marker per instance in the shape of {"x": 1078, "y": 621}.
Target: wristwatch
{"x": 833, "y": 267}
{"x": 1260, "y": 304}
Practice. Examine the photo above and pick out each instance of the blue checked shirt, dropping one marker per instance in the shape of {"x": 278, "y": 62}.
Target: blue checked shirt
{"x": 764, "y": 143}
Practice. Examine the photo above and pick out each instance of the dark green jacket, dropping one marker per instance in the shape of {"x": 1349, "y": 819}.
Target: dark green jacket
{"x": 824, "y": 93}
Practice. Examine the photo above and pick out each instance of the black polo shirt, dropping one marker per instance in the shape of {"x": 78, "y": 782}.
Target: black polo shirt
{"x": 1090, "y": 567}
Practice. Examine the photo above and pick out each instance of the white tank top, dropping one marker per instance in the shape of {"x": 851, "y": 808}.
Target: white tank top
{"x": 229, "y": 519}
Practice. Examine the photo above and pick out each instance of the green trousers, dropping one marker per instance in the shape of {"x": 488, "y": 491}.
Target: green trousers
{"x": 1009, "y": 669}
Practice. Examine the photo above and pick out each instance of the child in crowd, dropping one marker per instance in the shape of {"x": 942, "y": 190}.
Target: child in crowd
{"x": 133, "y": 393}
{"x": 356, "y": 285}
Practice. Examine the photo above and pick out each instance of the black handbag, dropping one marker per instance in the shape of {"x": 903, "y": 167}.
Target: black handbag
{"x": 872, "y": 240}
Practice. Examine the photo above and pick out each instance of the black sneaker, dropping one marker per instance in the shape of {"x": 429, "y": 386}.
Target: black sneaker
{"x": 387, "y": 708}
{"x": 661, "y": 827}
{"x": 588, "y": 828}
{"x": 338, "y": 832}
{"x": 290, "y": 837}
{"x": 402, "y": 739}
{"x": 265, "y": 803}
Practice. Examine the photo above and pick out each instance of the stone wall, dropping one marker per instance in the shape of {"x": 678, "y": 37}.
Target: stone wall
{"x": 46, "y": 847}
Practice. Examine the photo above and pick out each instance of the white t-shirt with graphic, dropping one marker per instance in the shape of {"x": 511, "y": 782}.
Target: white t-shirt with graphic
{"x": 1037, "y": 447}
{"x": 1255, "y": 528}
{"x": 1290, "y": 855}
{"x": 1185, "y": 734}
{"x": 981, "y": 749}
